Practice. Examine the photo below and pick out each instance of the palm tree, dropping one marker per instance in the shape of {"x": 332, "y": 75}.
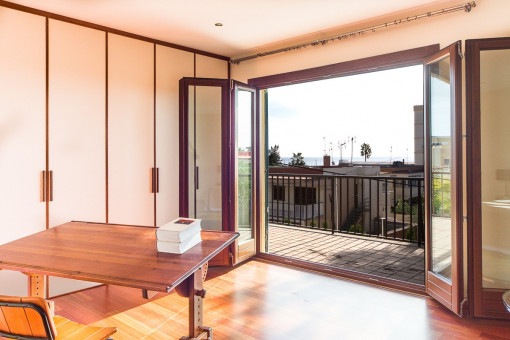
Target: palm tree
{"x": 297, "y": 159}
{"x": 366, "y": 151}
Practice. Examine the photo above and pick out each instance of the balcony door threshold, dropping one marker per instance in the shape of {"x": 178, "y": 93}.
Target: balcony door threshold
{"x": 405, "y": 287}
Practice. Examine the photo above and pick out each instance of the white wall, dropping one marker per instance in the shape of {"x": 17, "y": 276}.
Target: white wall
{"x": 488, "y": 19}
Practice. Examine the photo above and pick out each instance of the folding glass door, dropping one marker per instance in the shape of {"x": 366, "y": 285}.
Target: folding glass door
{"x": 488, "y": 124}
{"x": 443, "y": 161}
{"x": 218, "y": 153}
{"x": 204, "y": 113}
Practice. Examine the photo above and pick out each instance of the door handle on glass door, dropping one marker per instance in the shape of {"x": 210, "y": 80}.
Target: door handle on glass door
{"x": 198, "y": 179}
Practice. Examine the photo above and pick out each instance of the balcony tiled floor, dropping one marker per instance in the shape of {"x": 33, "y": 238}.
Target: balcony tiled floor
{"x": 386, "y": 258}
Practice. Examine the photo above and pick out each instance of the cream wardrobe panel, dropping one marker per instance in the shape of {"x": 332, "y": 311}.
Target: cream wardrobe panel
{"x": 171, "y": 66}
{"x": 76, "y": 125}
{"x": 208, "y": 67}
{"x": 130, "y": 131}
{"x": 22, "y": 132}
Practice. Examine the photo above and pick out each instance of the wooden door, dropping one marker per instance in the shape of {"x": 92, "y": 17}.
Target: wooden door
{"x": 171, "y": 66}
{"x": 22, "y": 133}
{"x": 76, "y": 131}
{"x": 130, "y": 131}
{"x": 488, "y": 170}
{"x": 443, "y": 177}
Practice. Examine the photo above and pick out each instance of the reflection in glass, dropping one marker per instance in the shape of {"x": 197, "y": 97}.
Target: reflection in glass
{"x": 204, "y": 131}
{"x": 244, "y": 161}
{"x": 440, "y": 158}
{"x": 495, "y": 167}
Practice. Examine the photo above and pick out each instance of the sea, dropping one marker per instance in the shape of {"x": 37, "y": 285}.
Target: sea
{"x": 319, "y": 161}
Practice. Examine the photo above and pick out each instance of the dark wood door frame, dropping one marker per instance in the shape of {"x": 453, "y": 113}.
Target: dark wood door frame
{"x": 375, "y": 63}
{"x": 449, "y": 294}
{"x": 483, "y": 302}
{"x": 184, "y": 157}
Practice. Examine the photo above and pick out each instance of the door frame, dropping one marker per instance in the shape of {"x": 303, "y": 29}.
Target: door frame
{"x": 247, "y": 249}
{"x": 184, "y": 157}
{"x": 484, "y": 303}
{"x": 449, "y": 294}
{"x": 398, "y": 59}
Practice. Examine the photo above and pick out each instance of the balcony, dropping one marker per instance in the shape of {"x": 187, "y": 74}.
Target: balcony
{"x": 387, "y": 207}
{"x": 369, "y": 224}
{"x": 387, "y": 258}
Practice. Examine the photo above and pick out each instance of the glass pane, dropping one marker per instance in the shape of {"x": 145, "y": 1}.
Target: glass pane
{"x": 244, "y": 164}
{"x": 205, "y": 156}
{"x": 441, "y": 155}
{"x": 495, "y": 166}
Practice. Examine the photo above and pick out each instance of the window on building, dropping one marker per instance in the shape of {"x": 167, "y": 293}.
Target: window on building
{"x": 278, "y": 193}
{"x": 304, "y": 196}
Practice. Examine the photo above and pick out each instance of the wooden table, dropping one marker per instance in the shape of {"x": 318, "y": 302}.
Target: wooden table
{"x": 117, "y": 255}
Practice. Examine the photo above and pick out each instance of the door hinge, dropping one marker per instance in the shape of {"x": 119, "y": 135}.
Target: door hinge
{"x": 464, "y": 308}
{"x": 231, "y": 258}
{"x": 465, "y": 218}
{"x": 459, "y": 50}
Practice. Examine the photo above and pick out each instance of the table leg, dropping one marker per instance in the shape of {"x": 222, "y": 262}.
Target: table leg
{"x": 196, "y": 295}
{"x": 35, "y": 285}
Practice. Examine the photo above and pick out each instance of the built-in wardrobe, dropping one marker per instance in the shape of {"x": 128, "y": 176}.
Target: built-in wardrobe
{"x": 89, "y": 128}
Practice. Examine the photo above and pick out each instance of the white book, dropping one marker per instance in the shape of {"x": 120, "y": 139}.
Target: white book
{"x": 178, "y": 230}
{"x": 178, "y": 247}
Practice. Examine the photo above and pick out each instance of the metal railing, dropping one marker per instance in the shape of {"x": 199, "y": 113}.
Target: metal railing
{"x": 377, "y": 206}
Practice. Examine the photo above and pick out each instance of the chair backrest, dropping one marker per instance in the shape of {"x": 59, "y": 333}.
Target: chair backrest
{"x": 25, "y": 318}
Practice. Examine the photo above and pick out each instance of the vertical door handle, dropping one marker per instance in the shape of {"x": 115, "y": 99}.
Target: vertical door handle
{"x": 153, "y": 180}
{"x": 157, "y": 179}
{"x": 198, "y": 179}
{"x": 51, "y": 185}
{"x": 43, "y": 186}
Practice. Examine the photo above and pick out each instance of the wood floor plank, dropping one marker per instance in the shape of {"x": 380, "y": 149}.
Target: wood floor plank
{"x": 266, "y": 301}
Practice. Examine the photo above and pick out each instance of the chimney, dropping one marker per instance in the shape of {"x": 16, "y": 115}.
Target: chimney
{"x": 327, "y": 161}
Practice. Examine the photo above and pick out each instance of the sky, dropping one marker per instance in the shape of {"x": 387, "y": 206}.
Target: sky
{"x": 376, "y": 108}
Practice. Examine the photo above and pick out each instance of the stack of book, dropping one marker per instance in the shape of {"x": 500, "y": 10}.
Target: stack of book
{"x": 178, "y": 236}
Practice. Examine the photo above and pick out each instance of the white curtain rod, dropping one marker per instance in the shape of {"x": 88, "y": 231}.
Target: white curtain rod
{"x": 464, "y": 7}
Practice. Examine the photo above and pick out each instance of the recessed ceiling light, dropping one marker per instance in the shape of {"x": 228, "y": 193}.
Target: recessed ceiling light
{"x": 218, "y": 24}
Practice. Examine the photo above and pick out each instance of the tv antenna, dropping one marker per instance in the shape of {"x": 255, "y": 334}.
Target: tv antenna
{"x": 341, "y": 146}
{"x": 353, "y": 140}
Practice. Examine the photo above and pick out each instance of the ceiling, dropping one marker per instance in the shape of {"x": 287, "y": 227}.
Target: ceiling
{"x": 247, "y": 25}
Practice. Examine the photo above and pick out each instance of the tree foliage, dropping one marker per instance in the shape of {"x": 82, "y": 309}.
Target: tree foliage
{"x": 274, "y": 156}
{"x": 366, "y": 150}
{"x": 297, "y": 159}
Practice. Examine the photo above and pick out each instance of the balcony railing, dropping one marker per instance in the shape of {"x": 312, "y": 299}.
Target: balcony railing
{"x": 375, "y": 206}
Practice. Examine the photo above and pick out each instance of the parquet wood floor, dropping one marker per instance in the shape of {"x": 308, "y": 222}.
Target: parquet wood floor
{"x": 266, "y": 301}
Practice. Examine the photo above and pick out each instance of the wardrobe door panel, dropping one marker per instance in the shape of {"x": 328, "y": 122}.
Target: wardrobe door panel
{"x": 171, "y": 66}
{"x": 76, "y": 129}
{"x": 22, "y": 132}
{"x": 130, "y": 131}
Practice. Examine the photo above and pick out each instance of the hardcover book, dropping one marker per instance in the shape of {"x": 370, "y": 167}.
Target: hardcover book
{"x": 178, "y": 247}
{"x": 178, "y": 230}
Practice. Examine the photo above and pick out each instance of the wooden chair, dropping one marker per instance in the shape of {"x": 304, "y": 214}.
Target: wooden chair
{"x": 30, "y": 318}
